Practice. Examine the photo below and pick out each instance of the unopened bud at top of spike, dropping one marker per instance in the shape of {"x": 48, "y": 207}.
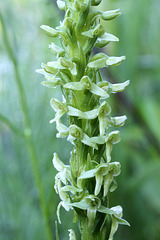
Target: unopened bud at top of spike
{"x": 95, "y": 2}
{"x": 61, "y": 5}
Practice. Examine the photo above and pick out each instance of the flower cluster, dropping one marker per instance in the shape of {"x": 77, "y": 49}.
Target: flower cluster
{"x": 84, "y": 185}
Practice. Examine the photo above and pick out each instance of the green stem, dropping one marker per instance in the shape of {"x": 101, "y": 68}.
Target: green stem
{"x": 9, "y": 124}
{"x": 86, "y": 233}
{"x": 28, "y": 132}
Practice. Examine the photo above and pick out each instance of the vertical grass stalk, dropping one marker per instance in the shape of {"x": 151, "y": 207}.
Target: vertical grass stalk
{"x": 27, "y": 131}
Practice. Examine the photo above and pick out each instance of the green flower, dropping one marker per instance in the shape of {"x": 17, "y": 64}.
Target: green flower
{"x": 59, "y": 107}
{"x": 104, "y": 173}
{"x": 86, "y": 84}
{"x": 93, "y": 205}
{"x": 76, "y": 133}
{"x": 72, "y": 235}
{"x": 99, "y": 172}
{"x": 114, "y": 170}
{"x": 116, "y": 220}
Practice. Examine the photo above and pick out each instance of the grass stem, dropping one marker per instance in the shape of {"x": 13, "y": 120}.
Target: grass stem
{"x": 28, "y": 131}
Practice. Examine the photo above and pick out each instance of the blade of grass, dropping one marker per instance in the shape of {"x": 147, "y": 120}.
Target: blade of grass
{"x": 28, "y": 132}
{"x": 9, "y": 124}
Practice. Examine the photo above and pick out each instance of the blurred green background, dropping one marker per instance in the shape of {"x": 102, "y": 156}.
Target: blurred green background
{"x": 27, "y": 198}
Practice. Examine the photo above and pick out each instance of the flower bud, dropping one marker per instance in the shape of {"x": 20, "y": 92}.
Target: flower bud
{"x": 98, "y": 30}
{"x": 106, "y": 38}
{"x": 57, "y": 50}
{"x": 76, "y": 132}
{"x": 95, "y": 2}
{"x": 86, "y": 82}
{"x": 109, "y": 15}
{"x": 113, "y": 61}
{"x": 79, "y": 6}
{"x": 50, "y": 31}
{"x": 61, "y": 5}
{"x": 72, "y": 235}
{"x": 65, "y": 63}
{"x": 68, "y": 22}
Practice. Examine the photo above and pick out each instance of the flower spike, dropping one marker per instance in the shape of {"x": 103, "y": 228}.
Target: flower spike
{"x": 85, "y": 184}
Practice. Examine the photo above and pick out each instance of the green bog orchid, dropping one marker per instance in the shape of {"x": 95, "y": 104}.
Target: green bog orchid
{"x": 85, "y": 184}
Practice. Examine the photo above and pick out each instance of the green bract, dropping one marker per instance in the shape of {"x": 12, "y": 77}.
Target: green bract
{"x": 85, "y": 184}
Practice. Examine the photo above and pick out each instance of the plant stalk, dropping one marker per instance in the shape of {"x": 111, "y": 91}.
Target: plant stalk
{"x": 28, "y": 132}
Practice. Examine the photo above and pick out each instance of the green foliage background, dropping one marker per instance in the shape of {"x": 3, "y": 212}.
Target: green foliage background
{"x": 139, "y": 150}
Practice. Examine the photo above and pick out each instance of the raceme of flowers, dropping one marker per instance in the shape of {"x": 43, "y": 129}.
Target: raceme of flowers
{"x": 84, "y": 185}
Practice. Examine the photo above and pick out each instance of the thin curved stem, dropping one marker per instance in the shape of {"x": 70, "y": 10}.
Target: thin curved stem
{"x": 27, "y": 132}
